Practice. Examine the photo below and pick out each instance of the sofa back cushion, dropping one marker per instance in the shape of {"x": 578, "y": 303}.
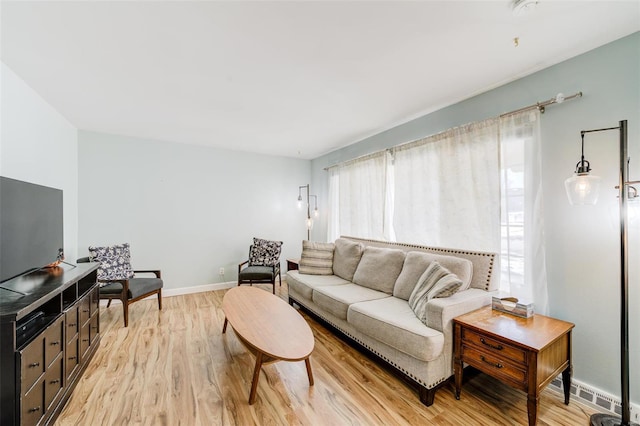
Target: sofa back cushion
{"x": 316, "y": 258}
{"x": 379, "y": 268}
{"x": 416, "y": 262}
{"x": 346, "y": 257}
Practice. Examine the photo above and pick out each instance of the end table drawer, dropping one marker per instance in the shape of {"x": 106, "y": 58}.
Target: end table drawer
{"x": 495, "y": 346}
{"x": 493, "y": 365}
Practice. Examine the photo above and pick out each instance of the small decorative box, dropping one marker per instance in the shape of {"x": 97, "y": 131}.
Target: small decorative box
{"x": 511, "y": 305}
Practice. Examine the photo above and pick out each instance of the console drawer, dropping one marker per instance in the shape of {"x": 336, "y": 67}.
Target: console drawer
{"x": 497, "y": 347}
{"x": 84, "y": 341}
{"x": 95, "y": 328}
{"x": 72, "y": 358}
{"x": 32, "y": 405}
{"x": 84, "y": 308}
{"x": 71, "y": 320}
{"x": 32, "y": 363}
{"x": 94, "y": 301}
{"x": 53, "y": 338}
{"x": 53, "y": 381}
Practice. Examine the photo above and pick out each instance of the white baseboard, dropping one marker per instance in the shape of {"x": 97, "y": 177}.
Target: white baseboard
{"x": 198, "y": 289}
{"x": 596, "y": 398}
{"x": 168, "y": 292}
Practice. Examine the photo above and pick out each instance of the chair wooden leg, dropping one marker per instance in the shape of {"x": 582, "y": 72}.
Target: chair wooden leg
{"x": 125, "y": 307}
{"x": 109, "y": 303}
{"x": 160, "y": 299}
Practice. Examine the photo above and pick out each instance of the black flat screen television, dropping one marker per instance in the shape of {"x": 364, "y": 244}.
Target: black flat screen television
{"x": 31, "y": 227}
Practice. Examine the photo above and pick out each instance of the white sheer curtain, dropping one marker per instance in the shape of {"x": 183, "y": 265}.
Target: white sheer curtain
{"x": 333, "y": 202}
{"x": 447, "y": 189}
{"x": 522, "y": 254}
{"x": 359, "y": 188}
{"x": 474, "y": 187}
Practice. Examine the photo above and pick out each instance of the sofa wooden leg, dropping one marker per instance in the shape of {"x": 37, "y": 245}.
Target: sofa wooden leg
{"x": 427, "y": 395}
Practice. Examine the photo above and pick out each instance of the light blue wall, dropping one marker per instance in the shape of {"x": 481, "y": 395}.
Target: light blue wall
{"x": 39, "y": 145}
{"x": 581, "y": 243}
{"x": 186, "y": 209}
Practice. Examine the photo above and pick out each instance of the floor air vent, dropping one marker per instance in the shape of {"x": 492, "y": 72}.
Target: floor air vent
{"x": 596, "y": 398}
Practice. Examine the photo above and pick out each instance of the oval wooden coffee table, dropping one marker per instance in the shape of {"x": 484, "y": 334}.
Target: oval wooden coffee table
{"x": 269, "y": 328}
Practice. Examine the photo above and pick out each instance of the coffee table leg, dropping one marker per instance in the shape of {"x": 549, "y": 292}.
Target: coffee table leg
{"x": 256, "y": 376}
{"x": 309, "y": 373}
{"x": 224, "y": 327}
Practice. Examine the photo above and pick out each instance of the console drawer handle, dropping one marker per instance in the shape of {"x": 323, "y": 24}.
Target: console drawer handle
{"x": 57, "y": 342}
{"x": 72, "y": 357}
{"x": 34, "y": 364}
{"x": 72, "y": 324}
{"x": 498, "y": 347}
{"x": 498, "y": 365}
{"x": 85, "y": 310}
{"x": 55, "y": 381}
{"x": 33, "y": 410}
{"x": 85, "y": 340}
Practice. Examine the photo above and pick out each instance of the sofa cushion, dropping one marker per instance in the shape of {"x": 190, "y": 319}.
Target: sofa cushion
{"x": 346, "y": 257}
{"x": 416, "y": 263}
{"x": 379, "y": 268}
{"x": 336, "y": 299}
{"x": 316, "y": 258}
{"x": 391, "y": 321}
{"x": 303, "y": 285}
{"x": 436, "y": 281}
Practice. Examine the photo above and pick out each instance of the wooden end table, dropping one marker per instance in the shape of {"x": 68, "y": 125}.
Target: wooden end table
{"x": 292, "y": 264}
{"x": 525, "y": 353}
{"x": 269, "y": 328}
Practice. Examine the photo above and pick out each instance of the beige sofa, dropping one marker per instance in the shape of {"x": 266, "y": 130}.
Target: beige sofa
{"x": 366, "y": 299}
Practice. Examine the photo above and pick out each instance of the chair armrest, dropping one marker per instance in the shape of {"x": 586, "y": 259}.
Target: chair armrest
{"x": 240, "y": 265}
{"x": 156, "y": 272}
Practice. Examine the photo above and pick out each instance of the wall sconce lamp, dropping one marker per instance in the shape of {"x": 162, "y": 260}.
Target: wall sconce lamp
{"x": 309, "y": 220}
{"x": 582, "y": 188}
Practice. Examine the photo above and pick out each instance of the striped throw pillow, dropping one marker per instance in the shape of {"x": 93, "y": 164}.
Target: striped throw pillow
{"x": 435, "y": 282}
{"x": 316, "y": 258}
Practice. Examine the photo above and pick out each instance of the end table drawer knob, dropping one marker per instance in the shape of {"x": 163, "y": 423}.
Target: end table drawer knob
{"x": 498, "y": 365}
{"x": 496, "y": 347}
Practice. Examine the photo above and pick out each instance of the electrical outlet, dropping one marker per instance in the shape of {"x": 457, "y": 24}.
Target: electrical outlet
{"x": 221, "y": 271}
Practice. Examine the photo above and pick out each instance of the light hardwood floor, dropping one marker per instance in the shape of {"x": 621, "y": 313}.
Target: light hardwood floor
{"x": 175, "y": 367}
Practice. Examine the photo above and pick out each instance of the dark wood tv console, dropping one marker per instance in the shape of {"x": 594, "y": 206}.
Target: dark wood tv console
{"x": 49, "y": 331}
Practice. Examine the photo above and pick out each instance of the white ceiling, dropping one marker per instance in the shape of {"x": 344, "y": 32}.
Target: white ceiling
{"x": 296, "y": 78}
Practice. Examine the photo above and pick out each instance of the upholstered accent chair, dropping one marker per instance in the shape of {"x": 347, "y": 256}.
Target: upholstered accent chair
{"x": 127, "y": 287}
{"x": 263, "y": 265}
